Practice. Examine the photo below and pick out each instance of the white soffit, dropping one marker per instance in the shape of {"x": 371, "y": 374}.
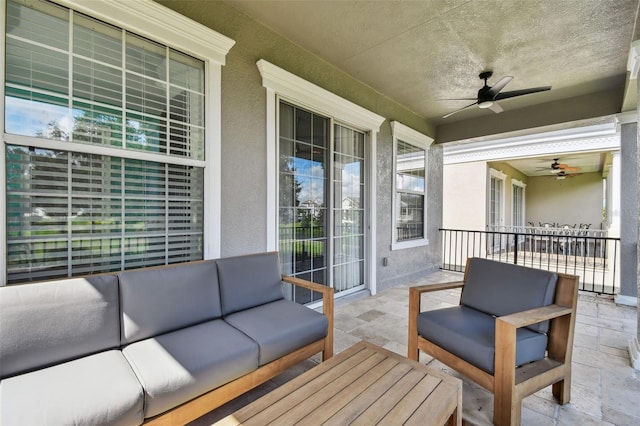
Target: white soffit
{"x": 165, "y": 25}
{"x": 295, "y": 88}
{"x": 600, "y": 137}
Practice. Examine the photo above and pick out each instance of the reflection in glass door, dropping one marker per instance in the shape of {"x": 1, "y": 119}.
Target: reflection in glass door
{"x": 304, "y": 141}
{"x": 321, "y": 226}
{"x": 348, "y": 209}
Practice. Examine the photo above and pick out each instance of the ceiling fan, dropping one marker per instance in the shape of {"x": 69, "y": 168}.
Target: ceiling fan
{"x": 558, "y": 168}
{"x": 563, "y": 175}
{"x": 488, "y": 95}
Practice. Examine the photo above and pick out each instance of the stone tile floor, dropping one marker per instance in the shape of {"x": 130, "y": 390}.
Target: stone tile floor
{"x": 605, "y": 388}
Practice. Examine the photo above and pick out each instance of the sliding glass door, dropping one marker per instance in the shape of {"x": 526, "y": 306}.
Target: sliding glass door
{"x": 321, "y": 201}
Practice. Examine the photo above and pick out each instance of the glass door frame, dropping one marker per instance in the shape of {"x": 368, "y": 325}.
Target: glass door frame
{"x": 282, "y": 84}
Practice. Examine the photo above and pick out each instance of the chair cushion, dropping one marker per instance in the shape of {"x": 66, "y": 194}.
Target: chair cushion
{"x": 179, "y": 366}
{"x": 280, "y": 327}
{"x": 159, "y": 300}
{"x": 98, "y": 389}
{"x": 470, "y": 335}
{"x": 40, "y": 323}
{"x": 499, "y": 289}
{"x": 248, "y": 281}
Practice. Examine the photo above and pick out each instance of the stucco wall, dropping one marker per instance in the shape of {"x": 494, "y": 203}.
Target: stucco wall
{"x": 572, "y": 200}
{"x": 464, "y": 203}
{"x": 244, "y": 155}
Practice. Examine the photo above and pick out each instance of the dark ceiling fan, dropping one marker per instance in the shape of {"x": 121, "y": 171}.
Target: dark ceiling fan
{"x": 558, "y": 167}
{"x": 488, "y": 95}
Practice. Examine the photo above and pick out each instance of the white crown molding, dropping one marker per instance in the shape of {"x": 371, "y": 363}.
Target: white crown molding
{"x": 159, "y": 22}
{"x": 601, "y": 137}
{"x": 633, "y": 64}
{"x": 291, "y": 86}
{"x": 407, "y": 134}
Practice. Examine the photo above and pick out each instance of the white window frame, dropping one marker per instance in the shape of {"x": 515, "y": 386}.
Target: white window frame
{"x": 516, "y": 182}
{"x": 493, "y": 173}
{"x": 156, "y": 22}
{"x": 281, "y": 84}
{"x": 403, "y": 133}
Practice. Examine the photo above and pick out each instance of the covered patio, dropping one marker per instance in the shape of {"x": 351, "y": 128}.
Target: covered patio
{"x": 605, "y": 388}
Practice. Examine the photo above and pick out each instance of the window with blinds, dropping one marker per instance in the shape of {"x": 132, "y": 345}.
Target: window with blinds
{"x": 105, "y": 152}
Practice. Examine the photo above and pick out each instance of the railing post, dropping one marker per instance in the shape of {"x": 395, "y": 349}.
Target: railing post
{"x": 515, "y": 248}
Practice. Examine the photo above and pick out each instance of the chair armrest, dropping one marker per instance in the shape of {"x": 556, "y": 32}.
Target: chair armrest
{"x": 414, "y": 310}
{"x": 416, "y": 292}
{"x": 533, "y": 316}
{"x": 505, "y": 345}
{"x": 435, "y": 287}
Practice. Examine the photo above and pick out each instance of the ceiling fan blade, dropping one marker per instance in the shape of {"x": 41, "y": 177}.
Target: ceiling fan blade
{"x": 458, "y": 99}
{"x": 495, "y": 107}
{"x": 514, "y": 93}
{"x": 458, "y": 110}
{"x": 496, "y": 88}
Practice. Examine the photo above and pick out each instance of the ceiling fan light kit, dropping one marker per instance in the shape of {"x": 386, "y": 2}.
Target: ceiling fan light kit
{"x": 488, "y": 95}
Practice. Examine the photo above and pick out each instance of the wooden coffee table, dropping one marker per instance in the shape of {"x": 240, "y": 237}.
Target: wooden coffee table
{"x": 363, "y": 385}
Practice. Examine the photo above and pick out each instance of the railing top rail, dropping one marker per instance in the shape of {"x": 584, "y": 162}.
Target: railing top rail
{"x": 591, "y": 234}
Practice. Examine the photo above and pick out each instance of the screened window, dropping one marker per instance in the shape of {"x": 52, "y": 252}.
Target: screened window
{"x": 410, "y": 165}
{"x": 105, "y": 151}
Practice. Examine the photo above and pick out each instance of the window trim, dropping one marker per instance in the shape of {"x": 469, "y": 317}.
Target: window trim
{"x": 516, "y": 182}
{"x": 401, "y": 132}
{"x": 159, "y": 23}
{"x": 281, "y": 84}
{"x": 493, "y": 173}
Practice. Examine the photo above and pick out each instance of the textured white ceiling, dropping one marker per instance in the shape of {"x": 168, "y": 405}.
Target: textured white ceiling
{"x": 418, "y": 52}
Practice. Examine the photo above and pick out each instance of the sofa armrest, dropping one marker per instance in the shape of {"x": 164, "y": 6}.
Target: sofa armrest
{"x": 327, "y": 308}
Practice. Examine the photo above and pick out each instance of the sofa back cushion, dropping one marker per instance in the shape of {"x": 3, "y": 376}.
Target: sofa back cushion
{"x": 498, "y": 288}
{"x": 159, "y": 300}
{"x": 248, "y": 281}
{"x": 47, "y": 323}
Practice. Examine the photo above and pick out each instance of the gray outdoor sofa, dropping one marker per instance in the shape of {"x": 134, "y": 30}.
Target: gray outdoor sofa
{"x": 158, "y": 345}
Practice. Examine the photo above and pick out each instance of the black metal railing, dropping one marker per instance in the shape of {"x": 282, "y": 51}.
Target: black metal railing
{"x": 593, "y": 258}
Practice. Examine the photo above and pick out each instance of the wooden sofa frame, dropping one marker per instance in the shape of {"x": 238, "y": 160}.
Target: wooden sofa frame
{"x": 207, "y": 402}
{"x": 509, "y": 384}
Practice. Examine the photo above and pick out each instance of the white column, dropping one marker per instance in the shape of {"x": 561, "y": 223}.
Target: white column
{"x": 615, "y": 193}
{"x": 633, "y": 66}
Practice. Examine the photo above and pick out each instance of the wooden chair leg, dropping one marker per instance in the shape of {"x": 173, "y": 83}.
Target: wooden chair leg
{"x": 562, "y": 391}
{"x": 414, "y": 310}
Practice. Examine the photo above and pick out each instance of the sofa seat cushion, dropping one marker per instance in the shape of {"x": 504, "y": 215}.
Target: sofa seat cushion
{"x": 470, "y": 334}
{"x": 280, "y": 327}
{"x": 179, "y": 366}
{"x": 99, "y": 389}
